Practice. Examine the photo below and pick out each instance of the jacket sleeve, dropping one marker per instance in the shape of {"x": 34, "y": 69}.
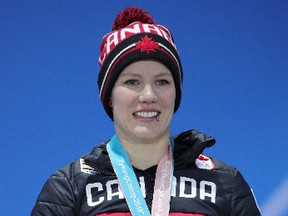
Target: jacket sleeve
{"x": 56, "y": 197}
{"x": 243, "y": 200}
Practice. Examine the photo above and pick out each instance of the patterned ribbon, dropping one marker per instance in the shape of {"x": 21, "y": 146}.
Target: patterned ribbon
{"x": 130, "y": 186}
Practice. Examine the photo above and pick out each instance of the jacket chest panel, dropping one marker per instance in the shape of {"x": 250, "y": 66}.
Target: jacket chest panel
{"x": 104, "y": 194}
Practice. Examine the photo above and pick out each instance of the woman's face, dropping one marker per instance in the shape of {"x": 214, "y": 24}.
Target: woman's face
{"x": 143, "y": 101}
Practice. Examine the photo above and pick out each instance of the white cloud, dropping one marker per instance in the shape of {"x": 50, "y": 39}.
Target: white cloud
{"x": 277, "y": 203}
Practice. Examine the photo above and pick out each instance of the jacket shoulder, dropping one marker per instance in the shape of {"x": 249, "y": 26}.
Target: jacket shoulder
{"x": 61, "y": 192}
{"x": 79, "y": 166}
{"x": 224, "y": 167}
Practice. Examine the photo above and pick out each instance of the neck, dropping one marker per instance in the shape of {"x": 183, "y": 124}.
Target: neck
{"x": 145, "y": 155}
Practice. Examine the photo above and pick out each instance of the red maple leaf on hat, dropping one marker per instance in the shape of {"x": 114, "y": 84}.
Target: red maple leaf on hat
{"x": 146, "y": 44}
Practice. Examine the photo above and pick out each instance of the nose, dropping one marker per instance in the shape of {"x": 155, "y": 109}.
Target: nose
{"x": 147, "y": 95}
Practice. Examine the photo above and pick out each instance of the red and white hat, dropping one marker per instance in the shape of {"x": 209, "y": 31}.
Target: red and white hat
{"x": 135, "y": 36}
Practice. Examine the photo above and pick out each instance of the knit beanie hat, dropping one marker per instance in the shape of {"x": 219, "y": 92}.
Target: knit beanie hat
{"x": 135, "y": 36}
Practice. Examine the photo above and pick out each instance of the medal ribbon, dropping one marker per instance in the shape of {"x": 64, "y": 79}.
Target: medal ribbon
{"x": 129, "y": 183}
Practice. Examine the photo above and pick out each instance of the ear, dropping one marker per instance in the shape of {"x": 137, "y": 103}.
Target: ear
{"x": 109, "y": 103}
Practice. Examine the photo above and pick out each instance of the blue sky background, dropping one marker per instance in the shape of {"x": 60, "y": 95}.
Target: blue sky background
{"x": 235, "y": 61}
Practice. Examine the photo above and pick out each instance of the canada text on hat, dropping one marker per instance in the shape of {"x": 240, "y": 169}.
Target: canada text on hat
{"x": 111, "y": 40}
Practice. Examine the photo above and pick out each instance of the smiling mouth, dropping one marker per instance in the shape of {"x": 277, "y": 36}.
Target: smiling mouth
{"x": 147, "y": 115}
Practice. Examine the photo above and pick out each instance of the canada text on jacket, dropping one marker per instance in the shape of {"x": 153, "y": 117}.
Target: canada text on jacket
{"x": 188, "y": 188}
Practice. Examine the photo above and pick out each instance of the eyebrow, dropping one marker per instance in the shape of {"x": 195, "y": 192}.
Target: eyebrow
{"x": 164, "y": 74}
{"x": 139, "y": 74}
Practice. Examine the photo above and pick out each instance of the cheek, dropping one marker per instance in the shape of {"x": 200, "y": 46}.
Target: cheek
{"x": 121, "y": 97}
{"x": 169, "y": 98}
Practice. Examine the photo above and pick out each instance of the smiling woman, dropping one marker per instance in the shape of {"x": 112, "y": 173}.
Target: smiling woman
{"x": 143, "y": 105}
{"x": 143, "y": 93}
{"x": 142, "y": 169}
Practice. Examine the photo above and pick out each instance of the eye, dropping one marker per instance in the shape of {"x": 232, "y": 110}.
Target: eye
{"x": 162, "y": 82}
{"x": 132, "y": 82}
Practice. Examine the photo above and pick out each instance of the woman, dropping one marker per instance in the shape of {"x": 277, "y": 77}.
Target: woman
{"x": 142, "y": 170}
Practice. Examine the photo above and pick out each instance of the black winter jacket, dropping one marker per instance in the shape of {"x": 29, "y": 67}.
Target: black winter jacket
{"x": 201, "y": 185}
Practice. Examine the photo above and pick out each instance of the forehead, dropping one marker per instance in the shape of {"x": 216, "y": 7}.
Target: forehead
{"x": 146, "y": 67}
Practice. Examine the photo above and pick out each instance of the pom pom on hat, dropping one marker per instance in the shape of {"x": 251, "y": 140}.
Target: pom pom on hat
{"x": 133, "y": 34}
{"x": 130, "y": 15}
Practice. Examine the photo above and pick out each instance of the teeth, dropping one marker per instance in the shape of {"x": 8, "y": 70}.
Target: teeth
{"x": 146, "y": 114}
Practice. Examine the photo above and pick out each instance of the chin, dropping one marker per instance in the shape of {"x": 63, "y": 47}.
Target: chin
{"x": 146, "y": 133}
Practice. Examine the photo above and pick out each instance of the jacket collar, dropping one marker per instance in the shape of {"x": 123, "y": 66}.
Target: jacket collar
{"x": 188, "y": 146}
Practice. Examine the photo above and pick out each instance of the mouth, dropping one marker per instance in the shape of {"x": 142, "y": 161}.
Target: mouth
{"x": 147, "y": 115}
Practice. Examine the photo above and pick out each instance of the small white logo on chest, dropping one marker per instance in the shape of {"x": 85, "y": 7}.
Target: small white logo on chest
{"x": 204, "y": 162}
